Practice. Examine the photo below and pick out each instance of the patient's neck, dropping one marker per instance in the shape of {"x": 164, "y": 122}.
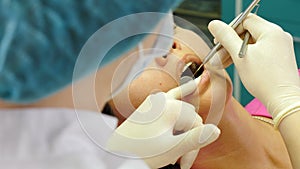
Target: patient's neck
{"x": 234, "y": 125}
{"x": 240, "y": 144}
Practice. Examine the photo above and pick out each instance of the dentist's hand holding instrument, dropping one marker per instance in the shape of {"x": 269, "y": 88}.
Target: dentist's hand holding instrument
{"x": 269, "y": 72}
{"x": 164, "y": 129}
{"x": 235, "y": 23}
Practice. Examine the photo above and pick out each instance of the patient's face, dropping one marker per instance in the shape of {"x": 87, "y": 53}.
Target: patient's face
{"x": 164, "y": 74}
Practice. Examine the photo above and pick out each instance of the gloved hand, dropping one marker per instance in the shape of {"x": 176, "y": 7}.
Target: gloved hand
{"x": 269, "y": 70}
{"x": 163, "y": 129}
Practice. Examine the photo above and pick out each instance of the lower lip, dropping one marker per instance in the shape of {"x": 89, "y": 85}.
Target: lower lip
{"x": 205, "y": 80}
{"x": 204, "y": 77}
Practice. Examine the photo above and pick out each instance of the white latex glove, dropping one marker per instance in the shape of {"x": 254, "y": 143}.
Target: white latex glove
{"x": 269, "y": 70}
{"x": 163, "y": 129}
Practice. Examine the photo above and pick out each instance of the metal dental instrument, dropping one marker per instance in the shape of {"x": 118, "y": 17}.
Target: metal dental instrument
{"x": 244, "y": 46}
{"x": 243, "y": 49}
{"x": 234, "y": 25}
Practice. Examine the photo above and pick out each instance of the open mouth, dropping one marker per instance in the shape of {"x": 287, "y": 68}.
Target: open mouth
{"x": 190, "y": 70}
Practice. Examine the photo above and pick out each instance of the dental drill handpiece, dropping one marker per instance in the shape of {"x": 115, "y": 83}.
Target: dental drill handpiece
{"x": 235, "y": 24}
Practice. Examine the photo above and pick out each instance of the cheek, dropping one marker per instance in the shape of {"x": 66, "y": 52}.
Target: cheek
{"x": 151, "y": 81}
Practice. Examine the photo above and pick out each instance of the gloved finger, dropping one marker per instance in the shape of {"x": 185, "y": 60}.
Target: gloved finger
{"x": 221, "y": 60}
{"x": 239, "y": 29}
{"x": 198, "y": 137}
{"x": 183, "y": 90}
{"x": 188, "y": 120}
{"x": 228, "y": 61}
{"x": 229, "y": 39}
{"x": 188, "y": 159}
{"x": 258, "y": 26}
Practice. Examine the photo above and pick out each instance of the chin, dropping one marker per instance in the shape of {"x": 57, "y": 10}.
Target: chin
{"x": 202, "y": 98}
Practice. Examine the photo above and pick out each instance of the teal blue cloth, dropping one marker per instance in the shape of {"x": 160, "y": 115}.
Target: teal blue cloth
{"x": 40, "y": 40}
